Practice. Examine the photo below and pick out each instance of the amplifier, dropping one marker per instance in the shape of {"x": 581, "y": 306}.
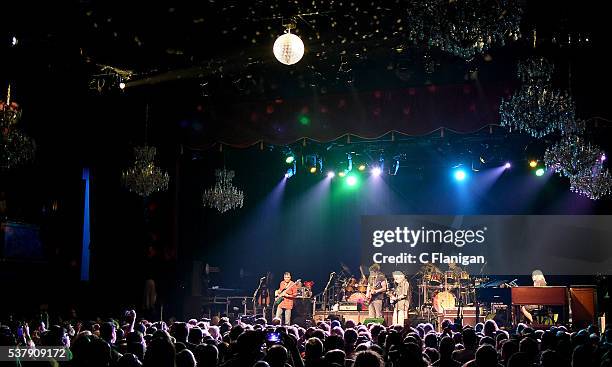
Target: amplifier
{"x": 349, "y": 306}
{"x": 469, "y": 315}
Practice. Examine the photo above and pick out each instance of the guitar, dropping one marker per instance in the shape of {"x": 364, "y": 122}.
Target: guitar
{"x": 281, "y": 295}
{"x": 393, "y": 299}
{"x": 377, "y": 287}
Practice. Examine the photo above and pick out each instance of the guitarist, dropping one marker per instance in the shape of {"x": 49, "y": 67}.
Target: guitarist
{"x": 375, "y": 294}
{"x": 400, "y": 299}
{"x": 286, "y": 291}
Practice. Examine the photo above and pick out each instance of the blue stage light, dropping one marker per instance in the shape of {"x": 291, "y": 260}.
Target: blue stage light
{"x": 460, "y": 175}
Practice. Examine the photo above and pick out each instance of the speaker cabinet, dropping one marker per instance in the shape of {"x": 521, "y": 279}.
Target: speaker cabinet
{"x": 583, "y": 303}
{"x": 302, "y": 311}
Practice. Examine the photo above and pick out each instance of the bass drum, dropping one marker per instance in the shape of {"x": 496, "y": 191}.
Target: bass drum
{"x": 357, "y": 297}
{"x": 443, "y": 301}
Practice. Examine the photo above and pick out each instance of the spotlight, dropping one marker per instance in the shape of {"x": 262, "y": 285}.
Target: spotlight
{"x": 362, "y": 167}
{"x": 291, "y": 171}
{"x": 289, "y": 159}
{"x": 313, "y": 163}
{"x": 394, "y": 167}
{"x": 507, "y": 165}
{"x": 330, "y": 174}
{"x": 351, "y": 180}
{"x": 533, "y": 163}
{"x": 376, "y": 171}
{"x": 122, "y": 85}
{"x": 539, "y": 172}
{"x": 603, "y": 157}
{"x": 460, "y": 175}
{"x": 341, "y": 173}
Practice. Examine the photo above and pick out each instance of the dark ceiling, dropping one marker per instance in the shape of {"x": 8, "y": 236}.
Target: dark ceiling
{"x": 217, "y": 54}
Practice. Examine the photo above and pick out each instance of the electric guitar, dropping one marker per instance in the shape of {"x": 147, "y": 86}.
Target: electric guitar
{"x": 281, "y": 295}
{"x": 393, "y": 299}
{"x": 377, "y": 287}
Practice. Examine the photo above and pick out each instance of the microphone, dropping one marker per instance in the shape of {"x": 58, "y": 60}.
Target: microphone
{"x": 263, "y": 278}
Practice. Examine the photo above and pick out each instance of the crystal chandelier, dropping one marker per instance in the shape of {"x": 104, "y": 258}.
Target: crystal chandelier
{"x": 573, "y": 157}
{"x": 583, "y": 163}
{"x": 144, "y": 178}
{"x": 537, "y": 108}
{"x": 224, "y": 195}
{"x": 464, "y": 28}
{"x": 16, "y": 148}
{"x": 594, "y": 186}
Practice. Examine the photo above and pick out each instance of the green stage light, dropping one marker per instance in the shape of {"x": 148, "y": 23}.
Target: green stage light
{"x": 539, "y": 172}
{"x": 304, "y": 120}
{"x": 351, "y": 180}
{"x": 289, "y": 159}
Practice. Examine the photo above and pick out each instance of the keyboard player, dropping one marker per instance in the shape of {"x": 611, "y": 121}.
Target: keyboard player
{"x": 538, "y": 281}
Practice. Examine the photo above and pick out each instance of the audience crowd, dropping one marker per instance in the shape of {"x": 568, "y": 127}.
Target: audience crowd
{"x": 134, "y": 342}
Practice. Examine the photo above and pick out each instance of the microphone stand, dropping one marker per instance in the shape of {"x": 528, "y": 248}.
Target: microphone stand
{"x": 255, "y": 297}
{"x": 325, "y": 294}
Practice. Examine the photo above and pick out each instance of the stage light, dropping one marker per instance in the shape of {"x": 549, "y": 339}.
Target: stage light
{"x": 349, "y": 158}
{"x": 304, "y": 120}
{"x": 341, "y": 173}
{"x": 313, "y": 163}
{"x": 289, "y": 159}
{"x": 460, "y": 175}
{"x": 507, "y": 165}
{"x": 376, "y": 171}
{"x": 351, "y": 180}
{"x": 539, "y": 172}
{"x": 533, "y": 163}
{"x": 330, "y": 174}
{"x": 603, "y": 157}
{"x": 362, "y": 167}
{"x": 122, "y": 85}
{"x": 292, "y": 170}
{"x": 394, "y": 167}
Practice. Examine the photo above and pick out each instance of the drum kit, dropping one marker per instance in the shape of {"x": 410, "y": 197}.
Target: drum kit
{"x": 355, "y": 290}
{"x": 441, "y": 290}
